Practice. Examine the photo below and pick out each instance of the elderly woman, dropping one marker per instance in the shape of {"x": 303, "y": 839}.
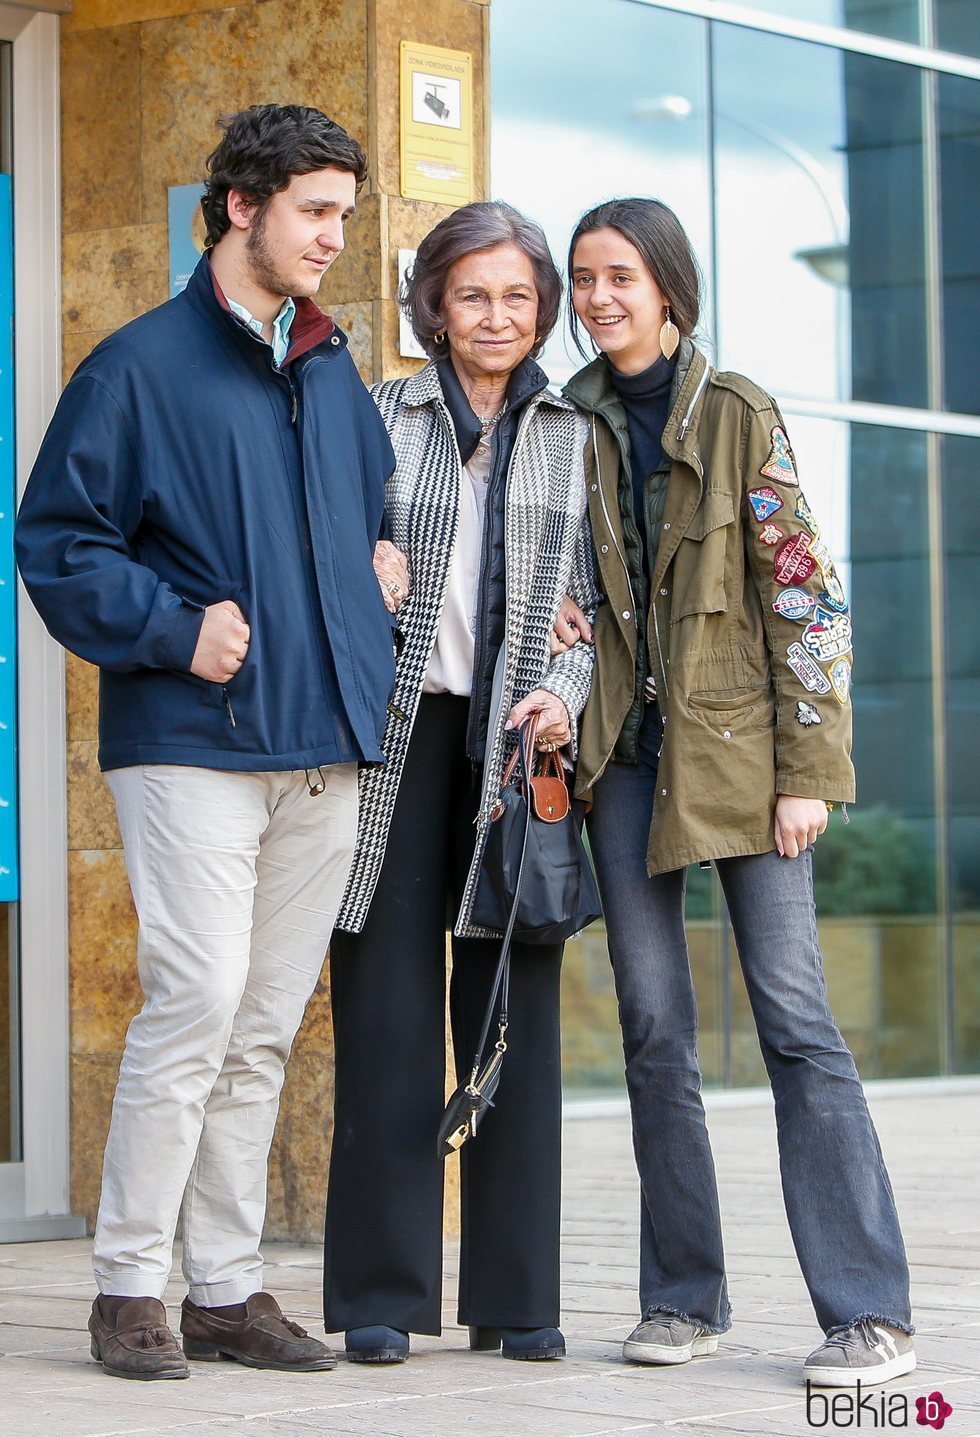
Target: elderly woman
{"x": 488, "y": 502}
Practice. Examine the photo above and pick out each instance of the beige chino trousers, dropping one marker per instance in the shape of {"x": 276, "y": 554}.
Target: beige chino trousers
{"x": 236, "y": 878}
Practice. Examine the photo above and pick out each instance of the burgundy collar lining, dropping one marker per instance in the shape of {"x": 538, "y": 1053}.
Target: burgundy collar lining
{"x": 309, "y": 328}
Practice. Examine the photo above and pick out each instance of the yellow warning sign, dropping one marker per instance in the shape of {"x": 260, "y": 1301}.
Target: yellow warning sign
{"x": 436, "y": 124}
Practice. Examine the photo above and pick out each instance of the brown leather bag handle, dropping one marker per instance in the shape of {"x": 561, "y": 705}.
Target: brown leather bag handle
{"x": 548, "y": 789}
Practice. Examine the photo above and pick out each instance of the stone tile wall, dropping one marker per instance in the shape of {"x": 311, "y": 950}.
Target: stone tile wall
{"x": 141, "y": 84}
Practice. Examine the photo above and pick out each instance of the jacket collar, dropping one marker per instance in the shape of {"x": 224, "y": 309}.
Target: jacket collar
{"x": 424, "y": 387}
{"x": 591, "y": 389}
{"x": 526, "y": 381}
{"x": 310, "y": 325}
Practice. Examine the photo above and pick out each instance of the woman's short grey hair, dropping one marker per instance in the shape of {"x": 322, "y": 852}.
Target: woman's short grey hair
{"x": 480, "y": 226}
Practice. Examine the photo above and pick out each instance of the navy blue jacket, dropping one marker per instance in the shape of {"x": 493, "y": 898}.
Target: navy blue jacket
{"x": 182, "y": 468}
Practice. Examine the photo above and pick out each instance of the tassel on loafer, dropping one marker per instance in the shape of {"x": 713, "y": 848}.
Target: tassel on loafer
{"x": 376, "y": 1344}
{"x": 525, "y": 1344}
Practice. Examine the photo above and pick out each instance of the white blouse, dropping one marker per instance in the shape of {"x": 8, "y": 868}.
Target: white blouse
{"x": 450, "y": 668}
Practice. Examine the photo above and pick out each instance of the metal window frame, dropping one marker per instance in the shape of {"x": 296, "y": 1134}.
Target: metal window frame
{"x": 887, "y": 416}
{"x": 905, "y": 52}
{"x": 34, "y": 1193}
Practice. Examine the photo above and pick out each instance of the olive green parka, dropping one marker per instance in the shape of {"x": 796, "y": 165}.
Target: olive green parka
{"x": 747, "y": 628}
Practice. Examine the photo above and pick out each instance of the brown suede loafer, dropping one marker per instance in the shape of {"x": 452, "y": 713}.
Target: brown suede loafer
{"x": 262, "y": 1338}
{"x": 139, "y": 1345}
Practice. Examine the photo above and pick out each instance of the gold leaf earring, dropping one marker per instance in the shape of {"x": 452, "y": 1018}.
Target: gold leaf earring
{"x": 670, "y": 336}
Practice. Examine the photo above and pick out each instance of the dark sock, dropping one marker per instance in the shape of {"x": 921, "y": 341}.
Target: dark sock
{"x": 111, "y": 1306}
{"x": 234, "y": 1312}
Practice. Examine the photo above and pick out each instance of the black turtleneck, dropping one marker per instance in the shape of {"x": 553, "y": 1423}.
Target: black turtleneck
{"x": 646, "y": 400}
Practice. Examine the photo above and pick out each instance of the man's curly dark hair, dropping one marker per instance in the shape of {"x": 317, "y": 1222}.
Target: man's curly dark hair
{"x": 263, "y": 147}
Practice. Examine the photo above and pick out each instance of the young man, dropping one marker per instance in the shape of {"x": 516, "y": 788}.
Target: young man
{"x": 200, "y": 523}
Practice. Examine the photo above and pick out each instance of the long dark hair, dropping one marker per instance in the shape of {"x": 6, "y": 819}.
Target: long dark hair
{"x": 654, "y": 229}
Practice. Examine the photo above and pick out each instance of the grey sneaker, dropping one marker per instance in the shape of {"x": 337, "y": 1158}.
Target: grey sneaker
{"x": 867, "y": 1353}
{"x": 667, "y": 1340}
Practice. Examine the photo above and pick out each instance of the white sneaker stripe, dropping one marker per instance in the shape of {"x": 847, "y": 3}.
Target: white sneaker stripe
{"x": 891, "y": 1346}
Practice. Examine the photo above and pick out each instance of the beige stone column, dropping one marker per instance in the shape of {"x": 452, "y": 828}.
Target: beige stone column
{"x": 141, "y": 84}
{"x": 361, "y": 290}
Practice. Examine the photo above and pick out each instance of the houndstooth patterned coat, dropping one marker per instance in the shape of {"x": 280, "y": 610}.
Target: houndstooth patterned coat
{"x": 549, "y": 553}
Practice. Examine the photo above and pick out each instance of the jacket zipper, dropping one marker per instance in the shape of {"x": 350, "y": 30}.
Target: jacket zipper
{"x": 609, "y": 526}
{"x": 343, "y": 730}
{"x": 622, "y": 559}
{"x": 495, "y": 715}
{"x": 694, "y": 399}
{"x": 483, "y": 580}
{"x": 685, "y": 423}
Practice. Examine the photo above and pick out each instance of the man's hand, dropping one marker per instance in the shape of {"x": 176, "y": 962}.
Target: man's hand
{"x": 569, "y": 626}
{"x": 222, "y": 643}
{"x": 391, "y": 569}
{"x": 554, "y": 727}
{"x": 799, "y": 822}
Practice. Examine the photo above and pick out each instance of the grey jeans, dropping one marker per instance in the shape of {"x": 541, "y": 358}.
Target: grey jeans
{"x": 838, "y": 1198}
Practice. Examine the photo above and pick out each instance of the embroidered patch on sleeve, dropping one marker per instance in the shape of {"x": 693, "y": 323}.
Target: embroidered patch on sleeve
{"x": 765, "y": 502}
{"x": 795, "y": 604}
{"x": 806, "y": 714}
{"x": 813, "y": 679}
{"x": 821, "y": 553}
{"x": 833, "y": 596}
{"x": 840, "y": 679}
{"x": 771, "y": 534}
{"x": 828, "y": 637}
{"x": 804, "y": 512}
{"x": 781, "y": 464}
{"x": 792, "y": 561}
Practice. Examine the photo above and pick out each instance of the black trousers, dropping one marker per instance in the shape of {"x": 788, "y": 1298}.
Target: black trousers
{"x": 383, "y": 1243}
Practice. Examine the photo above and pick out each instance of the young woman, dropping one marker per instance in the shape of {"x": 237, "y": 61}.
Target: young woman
{"x": 718, "y": 727}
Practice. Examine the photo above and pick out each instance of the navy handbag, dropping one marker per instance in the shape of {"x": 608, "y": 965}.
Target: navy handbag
{"x": 535, "y": 853}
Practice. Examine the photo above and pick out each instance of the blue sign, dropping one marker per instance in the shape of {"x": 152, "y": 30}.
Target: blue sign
{"x": 186, "y": 226}
{"x": 9, "y": 875}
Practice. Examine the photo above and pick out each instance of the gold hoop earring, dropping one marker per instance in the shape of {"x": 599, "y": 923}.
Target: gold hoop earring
{"x": 670, "y": 336}
{"x": 440, "y": 338}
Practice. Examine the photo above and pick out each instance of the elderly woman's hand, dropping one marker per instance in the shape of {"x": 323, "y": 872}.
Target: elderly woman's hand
{"x": 391, "y": 569}
{"x": 554, "y": 725}
{"x": 570, "y": 625}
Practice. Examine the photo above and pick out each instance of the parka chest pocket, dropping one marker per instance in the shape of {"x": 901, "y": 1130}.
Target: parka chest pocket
{"x": 701, "y": 561}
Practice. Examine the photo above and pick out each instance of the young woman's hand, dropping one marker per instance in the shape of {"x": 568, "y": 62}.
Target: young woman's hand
{"x": 799, "y": 822}
{"x": 570, "y": 626}
{"x": 554, "y": 726}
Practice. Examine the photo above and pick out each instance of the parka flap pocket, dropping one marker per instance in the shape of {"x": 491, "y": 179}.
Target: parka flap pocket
{"x": 715, "y": 510}
{"x": 701, "y": 566}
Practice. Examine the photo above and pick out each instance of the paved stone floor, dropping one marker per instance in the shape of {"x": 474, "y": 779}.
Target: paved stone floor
{"x": 931, "y": 1139}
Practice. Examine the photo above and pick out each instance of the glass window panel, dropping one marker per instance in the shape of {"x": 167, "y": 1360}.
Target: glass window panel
{"x": 883, "y": 104}
{"x": 876, "y": 879}
{"x": 958, "y": 26}
{"x": 819, "y": 219}
{"x": 896, "y": 19}
{"x": 568, "y": 132}
{"x": 960, "y": 461}
{"x": 591, "y": 1042}
{"x": 959, "y": 181}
